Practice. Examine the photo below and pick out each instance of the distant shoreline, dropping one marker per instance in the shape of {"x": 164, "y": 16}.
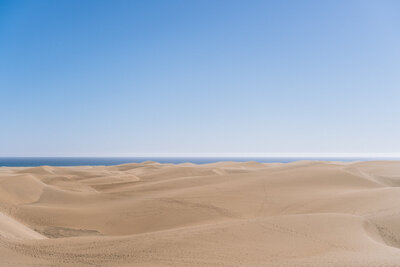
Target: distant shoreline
{"x": 109, "y": 161}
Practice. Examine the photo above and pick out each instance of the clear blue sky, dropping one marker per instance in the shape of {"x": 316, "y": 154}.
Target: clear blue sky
{"x": 146, "y": 77}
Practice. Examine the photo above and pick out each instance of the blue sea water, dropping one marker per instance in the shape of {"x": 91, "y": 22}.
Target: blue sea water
{"x": 107, "y": 161}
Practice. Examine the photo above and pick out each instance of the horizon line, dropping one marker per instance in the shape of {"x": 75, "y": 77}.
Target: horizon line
{"x": 219, "y": 155}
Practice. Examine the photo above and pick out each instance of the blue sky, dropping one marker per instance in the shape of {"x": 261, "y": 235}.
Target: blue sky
{"x": 122, "y": 78}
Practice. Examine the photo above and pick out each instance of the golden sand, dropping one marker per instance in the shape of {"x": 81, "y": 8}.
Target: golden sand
{"x": 221, "y": 214}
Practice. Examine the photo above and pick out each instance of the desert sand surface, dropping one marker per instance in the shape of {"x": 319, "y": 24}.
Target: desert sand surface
{"x": 221, "y": 214}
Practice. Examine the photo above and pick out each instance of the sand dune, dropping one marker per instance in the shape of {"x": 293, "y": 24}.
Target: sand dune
{"x": 11, "y": 229}
{"x": 221, "y": 214}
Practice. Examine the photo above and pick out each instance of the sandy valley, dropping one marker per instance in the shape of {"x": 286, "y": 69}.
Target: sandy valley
{"x": 221, "y": 214}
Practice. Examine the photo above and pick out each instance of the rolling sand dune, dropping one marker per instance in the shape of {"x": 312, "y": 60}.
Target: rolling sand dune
{"x": 221, "y": 214}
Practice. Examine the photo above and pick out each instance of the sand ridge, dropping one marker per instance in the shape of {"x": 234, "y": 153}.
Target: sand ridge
{"x": 219, "y": 214}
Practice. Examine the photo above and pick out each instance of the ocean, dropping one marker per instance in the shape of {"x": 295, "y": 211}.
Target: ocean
{"x": 107, "y": 161}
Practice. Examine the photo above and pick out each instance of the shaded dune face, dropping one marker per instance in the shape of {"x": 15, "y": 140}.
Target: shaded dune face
{"x": 225, "y": 213}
